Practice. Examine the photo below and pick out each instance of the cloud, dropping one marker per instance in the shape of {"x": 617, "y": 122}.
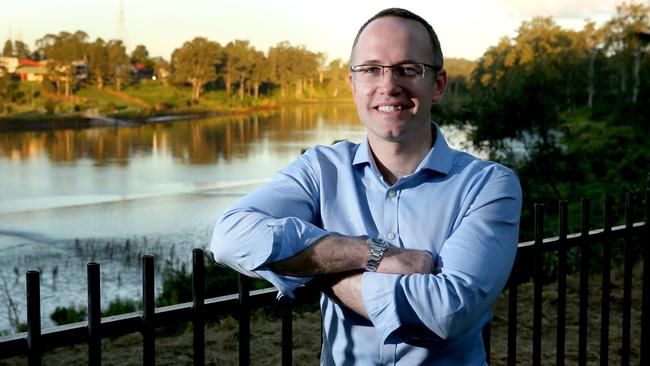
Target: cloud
{"x": 562, "y": 9}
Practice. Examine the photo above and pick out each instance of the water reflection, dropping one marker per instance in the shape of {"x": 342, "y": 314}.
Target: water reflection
{"x": 205, "y": 141}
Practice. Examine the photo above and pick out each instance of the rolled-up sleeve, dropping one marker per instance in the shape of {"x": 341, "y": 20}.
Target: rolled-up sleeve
{"x": 273, "y": 223}
{"x": 472, "y": 268}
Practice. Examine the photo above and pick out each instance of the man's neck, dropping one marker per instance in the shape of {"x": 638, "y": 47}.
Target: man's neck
{"x": 397, "y": 159}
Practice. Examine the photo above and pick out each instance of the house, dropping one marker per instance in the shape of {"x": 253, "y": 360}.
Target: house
{"x": 8, "y": 64}
{"x": 29, "y": 70}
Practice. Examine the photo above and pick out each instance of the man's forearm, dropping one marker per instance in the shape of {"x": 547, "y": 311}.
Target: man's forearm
{"x": 331, "y": 254}
{"x": 336, "y": 254}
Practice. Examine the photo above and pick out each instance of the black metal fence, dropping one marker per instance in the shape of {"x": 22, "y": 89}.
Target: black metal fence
{"x": 36, "y": 340}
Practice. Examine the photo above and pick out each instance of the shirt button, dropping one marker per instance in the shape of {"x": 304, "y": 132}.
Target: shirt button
{"x": 392, "y": 194}
{"x": 391, "y": 236}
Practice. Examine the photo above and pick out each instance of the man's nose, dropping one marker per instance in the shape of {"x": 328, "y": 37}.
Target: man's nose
{"x": 388, "y": 82}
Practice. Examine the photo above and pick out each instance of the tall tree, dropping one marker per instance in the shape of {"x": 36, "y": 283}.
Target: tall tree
{"x": 98, "y": 62}
{"x": 119, "y": 67}
{"x": 140, "y": 55}
{"x": 621, "y": 40}
{"x": 236, "y": 64}
{"x": 21, "y": 50}
{"x": 260, "y": 71}
{"x": 195, "y": 63}
{"x": 61, "y": 51}
{"x": 8, "y": 49}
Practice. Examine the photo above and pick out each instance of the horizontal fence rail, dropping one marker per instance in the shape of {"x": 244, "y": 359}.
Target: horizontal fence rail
{"x": 528, "y": 265}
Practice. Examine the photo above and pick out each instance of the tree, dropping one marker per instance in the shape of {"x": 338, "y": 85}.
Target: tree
{"x": 621, "y": 40}
{"x": 98, "y": 62}
{"x": 119, "y": 67}
{"x": 8, "y": 49}
{"x": 195, "y": 63}
{"x": 260, "y": 71}
{"x": 21, "y": 50}
{"x": 62, "y": 51}
{"x": 140, "y": 55}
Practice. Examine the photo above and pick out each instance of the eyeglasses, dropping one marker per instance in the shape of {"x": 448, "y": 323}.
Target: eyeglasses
{"x": 373, "y": 73}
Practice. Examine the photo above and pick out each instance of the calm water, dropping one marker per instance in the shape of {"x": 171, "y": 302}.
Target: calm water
{"x": 109, "y": 195}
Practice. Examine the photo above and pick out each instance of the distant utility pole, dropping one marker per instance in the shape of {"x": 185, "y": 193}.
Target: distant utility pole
{"x": 121, "y": 24}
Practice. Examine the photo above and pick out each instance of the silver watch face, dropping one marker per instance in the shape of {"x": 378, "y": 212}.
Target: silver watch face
{"x": 379, "y": 242}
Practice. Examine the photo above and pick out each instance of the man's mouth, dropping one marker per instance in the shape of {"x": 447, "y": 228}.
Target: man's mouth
{"x": 389, "y": 108}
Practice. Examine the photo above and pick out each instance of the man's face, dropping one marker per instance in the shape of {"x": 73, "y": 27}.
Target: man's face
{"x": 396, "y": 110}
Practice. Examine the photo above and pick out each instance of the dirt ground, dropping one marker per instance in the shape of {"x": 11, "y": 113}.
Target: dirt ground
{"x": 222, "y": 348}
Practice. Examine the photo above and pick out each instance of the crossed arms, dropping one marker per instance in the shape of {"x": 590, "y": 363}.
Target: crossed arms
{"x": 276, "y": 233}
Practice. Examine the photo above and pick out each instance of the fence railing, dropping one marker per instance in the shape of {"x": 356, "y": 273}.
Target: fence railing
{"x": 201, "y": 310}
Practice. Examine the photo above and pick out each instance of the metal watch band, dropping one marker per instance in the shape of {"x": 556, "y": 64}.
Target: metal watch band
{"x": 377, "y": 248}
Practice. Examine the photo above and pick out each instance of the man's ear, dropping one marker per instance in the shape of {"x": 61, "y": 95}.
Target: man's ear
{"x": 440, "y": 86}
{"x": 351, "y": 83}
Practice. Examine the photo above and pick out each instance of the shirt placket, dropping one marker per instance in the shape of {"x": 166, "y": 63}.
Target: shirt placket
{"x": 391, "y": 218}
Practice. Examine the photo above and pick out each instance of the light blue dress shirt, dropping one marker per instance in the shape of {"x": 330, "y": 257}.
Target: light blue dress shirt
{"x": 464, "y": 210}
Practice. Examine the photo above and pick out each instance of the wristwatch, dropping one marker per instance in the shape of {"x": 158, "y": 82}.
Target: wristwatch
{"x": 377, "y": 248}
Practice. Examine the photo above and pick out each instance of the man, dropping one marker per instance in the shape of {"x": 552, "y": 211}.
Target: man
{"x": 411, "y": 240}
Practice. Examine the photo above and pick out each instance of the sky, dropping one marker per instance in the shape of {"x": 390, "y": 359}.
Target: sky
{"x": 466, "y": 28}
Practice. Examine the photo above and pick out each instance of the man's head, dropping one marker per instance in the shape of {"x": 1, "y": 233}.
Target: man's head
{"x": 437, "y": 59}
{"x": 396, "y": 76}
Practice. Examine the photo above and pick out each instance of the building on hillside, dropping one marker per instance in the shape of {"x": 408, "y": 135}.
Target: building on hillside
{"x": 31, "y": 73}
{"x": 8, "y": 64}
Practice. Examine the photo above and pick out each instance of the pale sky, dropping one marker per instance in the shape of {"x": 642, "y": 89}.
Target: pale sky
{"x": 466, "y": 28}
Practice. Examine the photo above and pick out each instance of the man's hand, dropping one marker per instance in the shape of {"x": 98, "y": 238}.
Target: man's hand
{"x": 406, "y": 261}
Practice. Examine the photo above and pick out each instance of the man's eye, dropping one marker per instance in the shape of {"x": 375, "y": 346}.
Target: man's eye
{"x": 408, "y": 70}
{"x": 375, "y": 70}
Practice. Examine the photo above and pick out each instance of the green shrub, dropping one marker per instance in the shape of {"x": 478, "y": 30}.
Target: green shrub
{"x": 50, "y": 105}
{"x": 66, "y": 315}
{"x": 121, "y": 306}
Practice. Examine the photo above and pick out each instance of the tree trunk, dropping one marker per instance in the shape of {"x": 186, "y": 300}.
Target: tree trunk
{"x": 256, "y": 89}
{"x": 635, "y": 73}
{"x": 241, "y": 88}
{"x": 228, "y": 81}
{"x": 118, "y": 84}
{"x": 590, "y": 79}
{"x": 67, "y": 87}
{"x": 100, "y": 80}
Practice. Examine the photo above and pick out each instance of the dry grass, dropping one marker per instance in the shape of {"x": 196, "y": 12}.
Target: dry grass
{"x": 222, "y": 347}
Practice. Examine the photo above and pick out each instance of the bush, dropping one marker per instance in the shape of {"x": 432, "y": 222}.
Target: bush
{"x": 62, "y": 315}
{"x": 50, "y": 105}
{"x": 121, "y": 306}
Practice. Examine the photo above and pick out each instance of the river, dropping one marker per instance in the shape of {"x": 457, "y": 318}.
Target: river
{"x": 109, "y": 195}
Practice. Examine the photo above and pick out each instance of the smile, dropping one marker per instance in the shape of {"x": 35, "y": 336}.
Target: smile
{"x": 389, "y": 108}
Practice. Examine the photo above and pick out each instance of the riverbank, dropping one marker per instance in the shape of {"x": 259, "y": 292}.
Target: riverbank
{"x": 146, "y": 102}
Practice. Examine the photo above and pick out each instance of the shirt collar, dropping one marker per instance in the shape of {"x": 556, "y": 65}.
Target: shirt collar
{"x": 439, "y": 158}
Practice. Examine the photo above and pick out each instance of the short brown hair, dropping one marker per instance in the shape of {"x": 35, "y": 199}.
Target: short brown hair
{"x": 403, "y": 13}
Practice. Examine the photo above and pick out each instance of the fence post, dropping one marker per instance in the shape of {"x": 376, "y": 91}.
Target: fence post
{"x": 584, "y": 282}
{"x": 33, "y": 318}
{"x": 512, "y": 311}
{"x": 645, "y": 313}
{"x": 94, "y": 315}
{"x": 287, "y": 330}
{"x": 561, "y": 284}
{"x": 627, "y": 279}
{"x": 148, "y": 311}
{"x": 606, "y": 286}
{"x": 244, "y": 320}
{"x": 198, "y": 303}
{"x": 538, "y": 262}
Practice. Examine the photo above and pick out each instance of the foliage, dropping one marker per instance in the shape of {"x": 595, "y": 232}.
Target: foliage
{"x": 62, "y": 51}
{"x": 121, "y": 306}
{"x": 195, "y": 63}
{"x": 219, "y": 281}
{"x": 62, "y": 315}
